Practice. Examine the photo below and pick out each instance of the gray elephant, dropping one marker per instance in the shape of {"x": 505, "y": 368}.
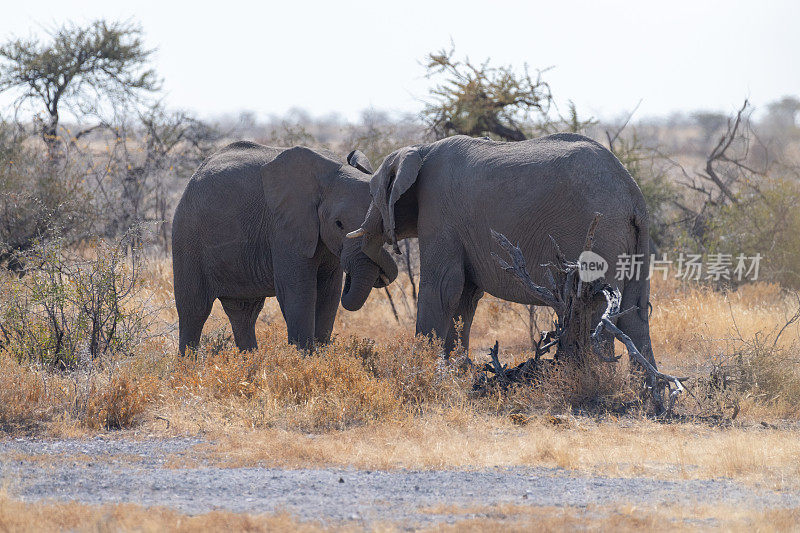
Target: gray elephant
{"x": 451, "y": 193}
{"x": 257, "y": 221}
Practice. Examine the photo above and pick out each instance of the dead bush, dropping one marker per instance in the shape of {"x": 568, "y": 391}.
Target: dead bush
{"x": 329, "y": 389}
{"x": 72, "y": 307}
{"x": 343, "y": 384}
{"x": 120, "y": 403}
{"x": 414, "y": 368}
{"x": 39, "y": 198}
{"x": 33, "y": 396}
{"x": 23, "y": 395}
{"x": 583, "y": 384}
{"x": 586, "y": 384}
{"x": 756, "y": 370}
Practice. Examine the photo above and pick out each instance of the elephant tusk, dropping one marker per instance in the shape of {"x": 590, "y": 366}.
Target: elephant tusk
{"x": 356, "y": 233}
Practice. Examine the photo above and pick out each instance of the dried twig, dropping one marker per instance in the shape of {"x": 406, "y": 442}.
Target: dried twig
{"x": 391, "y": 304}
{"x": 499, "y": 369}
{"x": 518, "y": 268}
{"x": 794, "y": 318}
{"x": 589, "y": 243}
{"x": 612, "y": 138}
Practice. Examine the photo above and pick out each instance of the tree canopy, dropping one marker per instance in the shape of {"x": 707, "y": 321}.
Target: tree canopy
{"x": 481, "y": 99}
{"x": 82, "y": 66}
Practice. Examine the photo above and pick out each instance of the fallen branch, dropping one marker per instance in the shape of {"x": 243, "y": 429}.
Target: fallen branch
{"x": 575, "y": 303}
{"x": 614, "y": 298}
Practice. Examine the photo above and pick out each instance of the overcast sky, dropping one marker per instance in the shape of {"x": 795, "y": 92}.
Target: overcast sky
{"x": 338, "y": 56}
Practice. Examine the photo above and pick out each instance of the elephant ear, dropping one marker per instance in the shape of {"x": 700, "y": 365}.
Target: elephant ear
{"x": 396, "y": 175}
{"x": 357, "y": 159}
{"x": 291, "y": 192}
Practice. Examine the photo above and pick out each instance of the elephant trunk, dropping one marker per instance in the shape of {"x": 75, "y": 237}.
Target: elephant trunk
{"x": 373, "y": 249}
{"x": 368, "y": 266}
{"x": 358, "y": 283}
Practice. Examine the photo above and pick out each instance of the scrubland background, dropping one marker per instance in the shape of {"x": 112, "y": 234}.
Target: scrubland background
{"x": 88, "y": 326}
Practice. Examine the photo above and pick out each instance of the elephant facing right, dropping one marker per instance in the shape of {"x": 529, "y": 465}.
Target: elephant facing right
{"x": 452, "y": 192}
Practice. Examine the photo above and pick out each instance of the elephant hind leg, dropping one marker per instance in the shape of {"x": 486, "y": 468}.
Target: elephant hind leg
{"x": 242, "y": 315}
{"x": 193, "y": 300}
{"x": 636, "y": 324}
{"x": 191, "y": 319}
{"x": 465, "y": 311}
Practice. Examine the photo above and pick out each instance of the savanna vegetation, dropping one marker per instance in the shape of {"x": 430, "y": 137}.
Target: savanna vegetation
{"x": 88, "y": 325}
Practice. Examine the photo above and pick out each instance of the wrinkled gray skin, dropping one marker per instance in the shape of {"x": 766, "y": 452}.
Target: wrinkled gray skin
{"x": 257, "y": 221}
{"x": 451, "y": 193}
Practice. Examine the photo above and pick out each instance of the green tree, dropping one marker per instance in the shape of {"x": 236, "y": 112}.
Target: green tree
{"x": 482, "y": 100}
{"x": 79, "y": 66}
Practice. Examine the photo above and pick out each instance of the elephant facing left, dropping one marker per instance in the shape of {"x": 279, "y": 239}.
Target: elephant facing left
{"x": 258, "y": 221}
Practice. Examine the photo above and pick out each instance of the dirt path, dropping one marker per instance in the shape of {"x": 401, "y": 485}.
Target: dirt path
{"x": 111, "y": 471}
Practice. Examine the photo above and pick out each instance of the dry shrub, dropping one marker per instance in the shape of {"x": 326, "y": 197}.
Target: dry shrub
{"x": 589, "y": 383}
{"x": 218, "y": 371}
{"x": 580, "y": 384}
{"x": 345, "y": 383}
{"x": 328, "y": 389}
{"x": 756, "y": 373}
{"x": 731, "y": 343}
{"x": 22, "y": 394}
{"x": 74, "y": 306}
{"x": 33, "y": 395}
{"x": 120, "y": 403}
{"x": 414, "y": 369}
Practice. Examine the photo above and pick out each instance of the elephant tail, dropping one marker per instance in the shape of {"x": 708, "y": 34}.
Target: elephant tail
{"x": 636, "y": 292}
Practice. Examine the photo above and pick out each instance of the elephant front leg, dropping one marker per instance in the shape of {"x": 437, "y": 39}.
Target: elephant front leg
{"x": 465, "y": 311}
{"x": 439, "y": 294}
{"x": 296, "y": 290}
{"x": 329, "y": 292}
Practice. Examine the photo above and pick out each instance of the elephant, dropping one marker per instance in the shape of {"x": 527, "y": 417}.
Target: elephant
{"x": 256, "y": 221}
{"x": 453, "y": 192}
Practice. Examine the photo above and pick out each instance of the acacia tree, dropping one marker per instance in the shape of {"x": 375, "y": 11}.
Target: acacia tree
{"x": 78, "y": 66}
{"x": 482, "y": 100}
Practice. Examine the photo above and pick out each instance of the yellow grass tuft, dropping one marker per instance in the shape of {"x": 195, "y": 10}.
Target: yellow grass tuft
{"x": 378, "y": 397}
{"x": 72, "y": 516}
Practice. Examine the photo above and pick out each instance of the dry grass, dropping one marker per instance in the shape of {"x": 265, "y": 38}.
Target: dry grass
{"x": 40, "y": 517}
{"x": 33, "y": 399}
{"x": 621, "y": 518}
{"x": 389, "y": 402}
{"x": 24, "y": 517}
{"x": 457, "y": 439}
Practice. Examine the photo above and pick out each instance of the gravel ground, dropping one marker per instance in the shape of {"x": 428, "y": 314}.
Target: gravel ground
{"x": 112, "y": 470}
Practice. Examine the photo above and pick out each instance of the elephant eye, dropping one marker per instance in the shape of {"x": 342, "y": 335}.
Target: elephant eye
{"x": 339, "y": 223}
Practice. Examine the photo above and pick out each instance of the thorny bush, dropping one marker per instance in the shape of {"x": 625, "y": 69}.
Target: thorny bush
{"x": 70, "y": 307}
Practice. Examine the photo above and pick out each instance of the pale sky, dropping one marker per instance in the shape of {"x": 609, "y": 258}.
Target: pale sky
{"x": 342, "y": 57}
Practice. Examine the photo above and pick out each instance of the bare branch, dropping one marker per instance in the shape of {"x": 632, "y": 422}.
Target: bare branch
{"x": 518, "y": 268}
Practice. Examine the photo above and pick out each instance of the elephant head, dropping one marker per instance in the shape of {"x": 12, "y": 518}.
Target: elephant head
{"x": 396, "y": 175}
{"x": 327, "y": 198}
